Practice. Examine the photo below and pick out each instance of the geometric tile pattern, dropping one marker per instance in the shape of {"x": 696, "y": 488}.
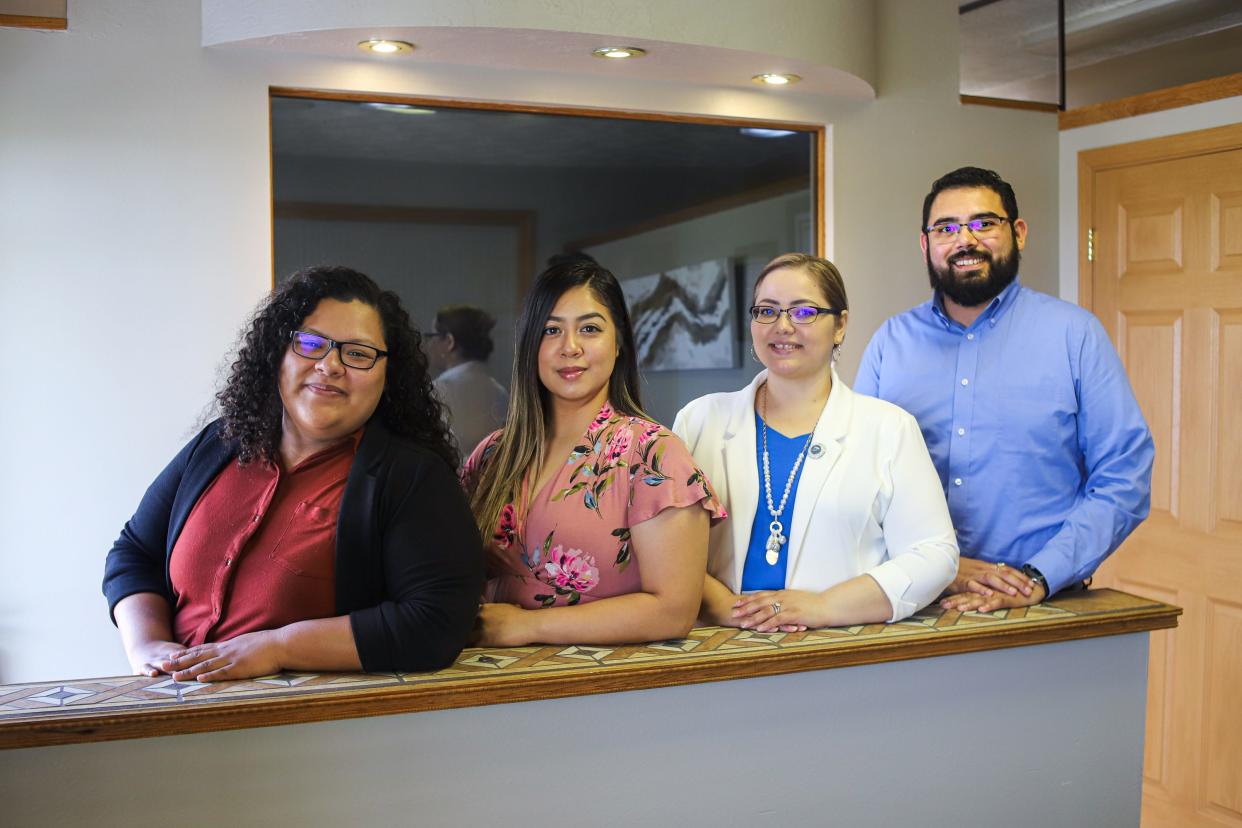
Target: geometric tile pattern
{"x": 37, "y": 701}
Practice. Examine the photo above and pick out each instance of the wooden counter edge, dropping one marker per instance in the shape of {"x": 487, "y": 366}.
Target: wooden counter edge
{"x": 471, "y": 692}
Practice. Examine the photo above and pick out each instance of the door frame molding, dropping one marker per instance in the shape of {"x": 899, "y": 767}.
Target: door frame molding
{"x": 1165, "y": 148}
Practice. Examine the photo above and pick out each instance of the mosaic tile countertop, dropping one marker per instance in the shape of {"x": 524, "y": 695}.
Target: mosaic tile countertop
{"x": 95, "y": 709}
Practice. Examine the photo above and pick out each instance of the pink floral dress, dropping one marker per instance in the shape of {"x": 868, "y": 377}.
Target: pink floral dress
{"x": 571, "y": 542}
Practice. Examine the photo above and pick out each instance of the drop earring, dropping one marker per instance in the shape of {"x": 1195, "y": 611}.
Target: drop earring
{"x": 755, "y": 356}
{"x": 836, "y": 352}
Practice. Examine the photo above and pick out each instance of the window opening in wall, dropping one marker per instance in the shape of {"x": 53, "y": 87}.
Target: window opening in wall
{"x": 452, "y": 203}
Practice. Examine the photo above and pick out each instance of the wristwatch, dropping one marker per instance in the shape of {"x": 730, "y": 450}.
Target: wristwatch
{"x": 1036, "y": 576}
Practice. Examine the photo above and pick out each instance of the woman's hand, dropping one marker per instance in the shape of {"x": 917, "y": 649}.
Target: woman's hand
{"x": 145, "y": 657}
{"x": 246, "y": 656}
{"x": 505, "y": 625}
{"x": 718, "y": 604}
{"x": 787, "y": 610}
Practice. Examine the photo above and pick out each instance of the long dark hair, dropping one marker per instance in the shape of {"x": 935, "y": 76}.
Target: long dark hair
{"x": 523, "y": 440}
{"x": 250, "y": 400}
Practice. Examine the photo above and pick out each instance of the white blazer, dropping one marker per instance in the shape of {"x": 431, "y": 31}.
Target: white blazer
{"x": 869, "y": 499}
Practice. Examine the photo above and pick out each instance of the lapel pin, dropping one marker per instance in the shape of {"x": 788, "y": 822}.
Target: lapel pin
{"x": 817, "y": 450}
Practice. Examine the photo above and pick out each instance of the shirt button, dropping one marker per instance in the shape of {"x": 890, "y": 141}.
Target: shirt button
{"x": 970, "y": 336}
{"x": 228, "y": 561}
{"x": 254, "y": 519}
{"x": 957, "y": 481}
{"x": 960, "y": 432}
{"x": 964, "y": 382}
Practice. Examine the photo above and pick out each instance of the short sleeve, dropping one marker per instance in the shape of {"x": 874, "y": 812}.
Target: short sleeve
{"x": 663, "y": 475}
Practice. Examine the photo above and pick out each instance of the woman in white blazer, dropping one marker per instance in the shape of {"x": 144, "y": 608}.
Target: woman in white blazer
{"x": 849, "y": 525}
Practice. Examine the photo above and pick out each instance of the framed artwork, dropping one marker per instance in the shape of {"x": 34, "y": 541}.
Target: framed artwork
{"x": 684, "y": 318}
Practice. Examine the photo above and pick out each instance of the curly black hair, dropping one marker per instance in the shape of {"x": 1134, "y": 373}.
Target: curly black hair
{"x": 250, "y": 400}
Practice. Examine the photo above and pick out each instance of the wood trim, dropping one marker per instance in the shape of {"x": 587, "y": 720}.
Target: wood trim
{"x": 1164, "y": 148}
{"x": 1086, "y": 207}
{"x": 821, "y": 193}
{"x": 523, "y": 221}
{"x": 1008, "y": 103}
{"x": 501, "y": 106}
{"x": 1139, "y": 615}
{"x": 707, "y": 208}
{"x": 271, "y": 197}
{"x": 25, "y": 21}
{"x": 1212, "y": 89}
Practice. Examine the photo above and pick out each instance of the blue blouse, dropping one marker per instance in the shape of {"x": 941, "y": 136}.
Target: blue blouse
{"x": 783, "y": 452}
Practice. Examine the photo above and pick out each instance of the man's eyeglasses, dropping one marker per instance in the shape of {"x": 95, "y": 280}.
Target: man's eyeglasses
{"x": 353, "y": 354}
{"x": 798, "y": 314}
{"x": 980, "y": 228}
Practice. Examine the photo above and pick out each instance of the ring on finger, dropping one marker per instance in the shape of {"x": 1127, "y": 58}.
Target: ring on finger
{"x": 776, "y": 607}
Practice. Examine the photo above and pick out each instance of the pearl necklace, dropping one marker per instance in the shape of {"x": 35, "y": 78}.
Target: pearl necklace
{"x": 776, "y": 531}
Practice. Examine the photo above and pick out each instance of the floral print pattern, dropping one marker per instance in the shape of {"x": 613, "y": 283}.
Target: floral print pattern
{"x": 571, "y": 542}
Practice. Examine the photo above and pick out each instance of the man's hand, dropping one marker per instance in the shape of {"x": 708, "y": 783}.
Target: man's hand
{"x": 985, "y": 578}
{"x": 978, "y": 602}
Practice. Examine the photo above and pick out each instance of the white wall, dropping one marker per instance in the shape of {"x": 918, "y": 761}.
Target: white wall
{"x": 135, "y": 239}
{"x": 1122, "y": 131}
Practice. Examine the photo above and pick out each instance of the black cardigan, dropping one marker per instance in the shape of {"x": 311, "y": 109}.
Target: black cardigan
{"x": 409, "y": 564}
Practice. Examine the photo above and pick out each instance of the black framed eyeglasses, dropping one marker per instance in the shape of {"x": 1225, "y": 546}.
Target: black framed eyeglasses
{"x": 352, "y": 354}
{"x": 798, "y": 314}
{"x": 981, "y": 228}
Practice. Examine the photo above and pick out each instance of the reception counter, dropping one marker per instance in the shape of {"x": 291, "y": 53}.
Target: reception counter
{"x": 1031, "y": 716}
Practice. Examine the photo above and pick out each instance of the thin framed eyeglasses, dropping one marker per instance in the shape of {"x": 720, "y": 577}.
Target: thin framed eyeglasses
{"x": 983, "y": 227}
{"x": 798, "y": 314}
{"x": 352, "y": 354}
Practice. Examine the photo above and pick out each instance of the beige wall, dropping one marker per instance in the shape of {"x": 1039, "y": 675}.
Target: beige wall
{"x": 135, "y": 239}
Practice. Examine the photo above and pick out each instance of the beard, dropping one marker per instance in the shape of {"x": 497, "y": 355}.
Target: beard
{"x": 967, "y": 289}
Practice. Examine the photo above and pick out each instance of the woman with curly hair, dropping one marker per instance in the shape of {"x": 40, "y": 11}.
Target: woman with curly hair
{"x": 597, "y": 516}
{"x": 295, "y": 532}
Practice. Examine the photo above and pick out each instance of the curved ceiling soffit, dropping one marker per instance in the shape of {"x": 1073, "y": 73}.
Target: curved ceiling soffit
{"x": 829, "y": 43}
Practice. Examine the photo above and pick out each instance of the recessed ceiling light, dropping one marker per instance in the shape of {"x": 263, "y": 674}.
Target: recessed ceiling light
{"x": 776, "y": 79}
{"x": 385, "y": 47}
{"x": 758, "y": 132}
{"x": 400, "y": 109}
{"x": 619, "y": 52}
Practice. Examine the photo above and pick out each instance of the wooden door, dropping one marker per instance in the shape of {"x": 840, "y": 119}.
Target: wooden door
{"x": 1167, "y": 285}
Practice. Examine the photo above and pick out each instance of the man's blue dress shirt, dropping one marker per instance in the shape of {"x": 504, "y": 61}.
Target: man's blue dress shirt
{"x": 1031, "y": 422}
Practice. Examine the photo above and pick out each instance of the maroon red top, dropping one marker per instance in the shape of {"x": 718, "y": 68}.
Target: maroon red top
{"x": 258, "y": 550}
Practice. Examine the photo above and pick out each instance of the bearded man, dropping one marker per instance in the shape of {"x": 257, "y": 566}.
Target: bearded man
{"x": 1023, "y": 402}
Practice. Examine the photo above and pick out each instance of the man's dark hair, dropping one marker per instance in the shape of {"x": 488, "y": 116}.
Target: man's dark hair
{"x": 471, "y": 328}
{"x": 969, "y": 177}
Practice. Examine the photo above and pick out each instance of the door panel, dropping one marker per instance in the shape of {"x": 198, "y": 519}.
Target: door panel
{"x": 1167, "y": 286}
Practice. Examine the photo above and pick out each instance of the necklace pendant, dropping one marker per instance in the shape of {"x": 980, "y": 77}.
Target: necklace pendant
{"x": 773, "y": 553}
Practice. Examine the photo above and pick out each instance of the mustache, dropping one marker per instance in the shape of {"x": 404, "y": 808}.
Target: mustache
{"x": 971, "y": 254}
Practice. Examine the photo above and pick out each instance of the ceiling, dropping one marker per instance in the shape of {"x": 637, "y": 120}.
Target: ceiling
{"x": 1007, "y": 44}
{"x": 357, "y": 131}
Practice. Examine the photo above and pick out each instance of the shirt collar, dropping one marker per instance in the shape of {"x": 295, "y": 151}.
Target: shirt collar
{"x": 991, "y": 315}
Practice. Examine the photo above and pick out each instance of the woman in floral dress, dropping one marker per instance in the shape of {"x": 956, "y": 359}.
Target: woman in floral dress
{"x": 598, "y": 517}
